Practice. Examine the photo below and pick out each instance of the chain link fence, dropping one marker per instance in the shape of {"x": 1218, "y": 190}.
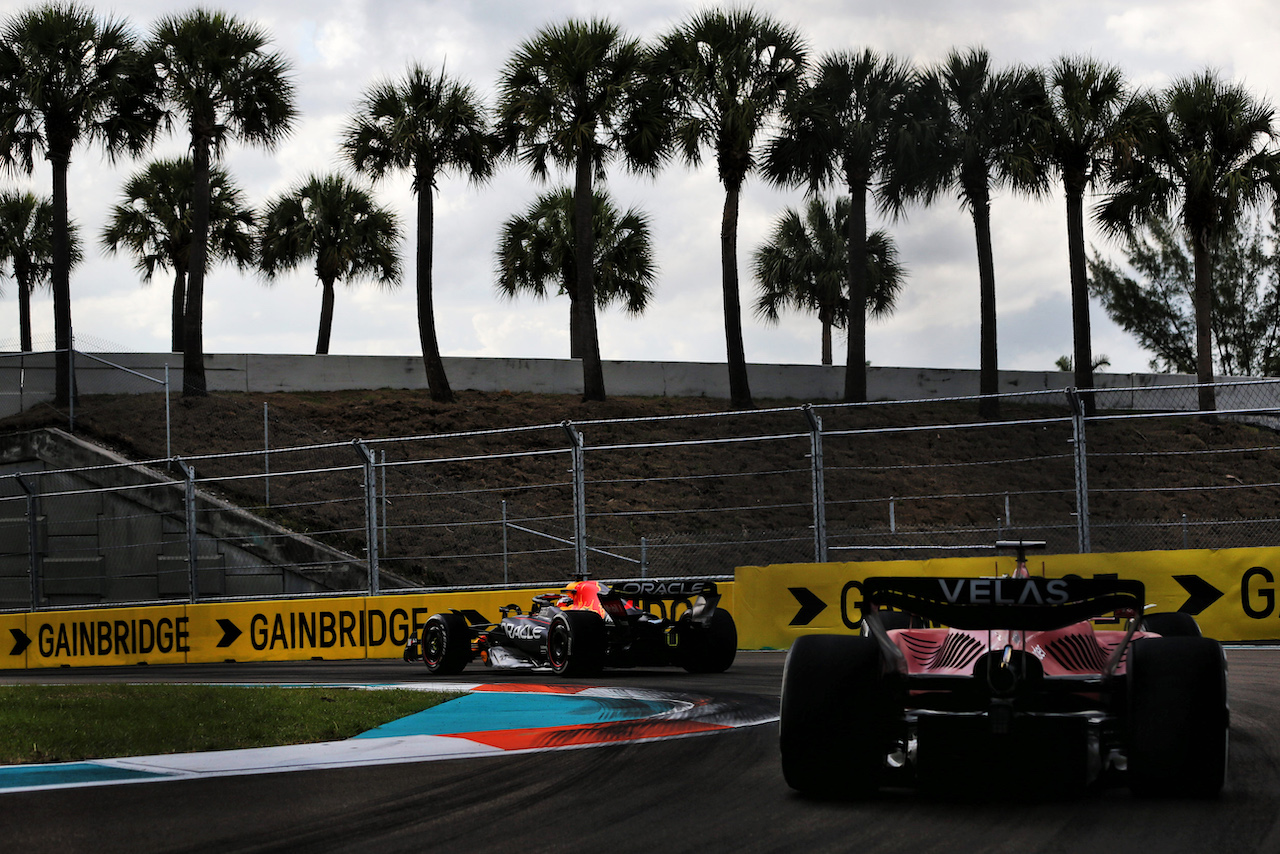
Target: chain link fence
{"x": 1120, "y": 470}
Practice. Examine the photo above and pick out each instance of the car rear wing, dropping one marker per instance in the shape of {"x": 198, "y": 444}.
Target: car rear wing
{"x": 701, "y": 595}
{"x": 1031, "y": 604}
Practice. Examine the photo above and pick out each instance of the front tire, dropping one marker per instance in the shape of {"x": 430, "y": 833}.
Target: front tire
{"x": 446, "y": 644}
{"x": 835, "y": 727}
{"x": 576, "y": 643}
{"x": 1178, "y": 717}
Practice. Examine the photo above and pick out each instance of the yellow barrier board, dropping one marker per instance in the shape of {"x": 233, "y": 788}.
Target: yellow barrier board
{"x": 155, "y": 635}
{"x": 1232, "y": 593}
{"x": 348, "y": 627}
{"x": 15, "y": 640}
{"x": 279, "y": 630}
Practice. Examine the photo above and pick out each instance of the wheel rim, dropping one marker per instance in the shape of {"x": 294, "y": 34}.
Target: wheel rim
{"x": 558, "y": 646}
{"x": 433, "y": 646}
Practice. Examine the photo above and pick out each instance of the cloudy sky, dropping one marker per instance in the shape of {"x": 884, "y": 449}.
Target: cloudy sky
{"x": 338, "y": 48}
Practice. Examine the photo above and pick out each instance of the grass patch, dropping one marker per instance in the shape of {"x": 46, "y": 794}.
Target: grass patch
{"x": 61, "y": 723}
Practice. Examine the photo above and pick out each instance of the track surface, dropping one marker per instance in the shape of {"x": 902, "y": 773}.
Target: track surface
{"x": 707, "y": 793}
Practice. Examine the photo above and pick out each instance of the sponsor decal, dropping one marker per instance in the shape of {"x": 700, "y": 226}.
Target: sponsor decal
{"x": 524, "y": 630}
{"x": 662, "y": 588}
{"x": 1004, "y": 591}
{"x": 112, "y": 637}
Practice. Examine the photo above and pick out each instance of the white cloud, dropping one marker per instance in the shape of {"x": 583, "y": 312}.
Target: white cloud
{"x": 341, "y": 47}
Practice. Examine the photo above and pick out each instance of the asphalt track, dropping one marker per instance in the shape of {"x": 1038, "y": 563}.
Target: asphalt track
{"x": 712, "y": 792}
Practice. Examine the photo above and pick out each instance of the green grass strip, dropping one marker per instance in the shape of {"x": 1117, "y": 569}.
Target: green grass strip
{"x": 63, "y": 723}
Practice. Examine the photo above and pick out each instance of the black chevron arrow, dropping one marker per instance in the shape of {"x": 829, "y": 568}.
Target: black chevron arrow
{"x": 810, "y": 606}
{"x": 230, "y": 631}
{"x": 1202, "y": 593}
{"x": 20, "y": 641}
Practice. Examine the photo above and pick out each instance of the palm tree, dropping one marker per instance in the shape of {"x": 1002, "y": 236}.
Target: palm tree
{"x": 153, "y": 224}
{"x": 1207, "y": 158}
{"x": 728, "y": 73}
{"x": 563, "y": 100}
{"x": 26, "y": 250}
{"x": 804, "y": 265}
{"x": 841, "y": 129}
{"x": 539, "y": 249}
{"x": 67, "y": 78}
{"x": 341, "y": 226}
{"x": 220, "y": 81}
{"x": 971, "y": 129}
{"x": 429, "y": 126}
{"x": 1090, "y": 120}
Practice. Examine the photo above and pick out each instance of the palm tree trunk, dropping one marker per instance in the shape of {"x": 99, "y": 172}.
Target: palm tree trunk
{"x": 326, "y": 317}
{"x": 437, "y": 382}
{"x": 179, "y": 307}
{"x": 739, "y": 385}
{"x": 824, "y": 316}
{"x": 193, "y": 378}
{"x": 855, "y": 371}
{"x": 1204, "y": 322}
{"x": 575, "y": 327}
{"x": 60, "y": 280}
{"x": 24, "y": 314}
{"x": 988, "y": 365}
{"x": 1081, "y": 336}
{"x": 584, "y": 250}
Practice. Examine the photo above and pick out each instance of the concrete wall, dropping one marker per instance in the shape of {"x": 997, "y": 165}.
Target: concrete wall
{"x": 25, "y": 379}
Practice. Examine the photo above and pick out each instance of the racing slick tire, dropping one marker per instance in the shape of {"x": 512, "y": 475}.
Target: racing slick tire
{"x": 710, "y": 648}
{"x": 446, "y": 644}
{"x": 1178, "y": 717}
{"x": 1173, "y": 624}
{"x": 898, "y": 620}
{"x": 576, "y": 643}
{"x": 835, "y": 725}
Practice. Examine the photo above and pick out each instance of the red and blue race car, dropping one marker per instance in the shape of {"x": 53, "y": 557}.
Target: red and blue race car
{"x": 587, "y": 626}
{"x": 1006, "y": 679}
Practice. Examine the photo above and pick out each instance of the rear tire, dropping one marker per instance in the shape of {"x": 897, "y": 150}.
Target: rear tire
{"x": 710, "y": 648}
{"x": 835, "y": 729}
{"x": 576, "y": 643}
{"x": 446, "y": 644}
{"x": 1178, "y": 717}
{"x": 1174, "y": 624}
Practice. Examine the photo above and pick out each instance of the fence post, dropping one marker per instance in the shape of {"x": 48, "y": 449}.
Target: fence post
{"x": 266, "y": 456}
{"x": 370, "y": 514}
{"x": 34, "y": 561}
{"x": 819, "y": 485}
{"x": 193, "y": 574}
{"x": 71, "y": 387}
{"x": 504, "y": 541}
{"x": 579, "y": 501}
{"x": 168, "y": 419}
{"x": 644, "y": 556}
{"x": 384, "y": 503}
{"x": 1081, "y": 457}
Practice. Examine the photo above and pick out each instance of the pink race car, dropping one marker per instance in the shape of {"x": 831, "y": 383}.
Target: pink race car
{"x": 1006, "y": 679}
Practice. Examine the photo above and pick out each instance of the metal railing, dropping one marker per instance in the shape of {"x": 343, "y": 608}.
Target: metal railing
{"x": 661, "y": 496}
